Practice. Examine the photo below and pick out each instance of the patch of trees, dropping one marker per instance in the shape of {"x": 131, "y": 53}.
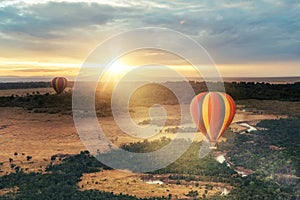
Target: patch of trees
{"x": 253, "y": 90}
{"x": 146, "y": 146}
{"x": 254, "y": 188}
{"x": 46, "y": 103}
{"x": 60, "y": 182}
{"x": 190, "y": 167}
{"x": 27, "y": 85}
{"x": 49, "y": 103}
{"x": 192, "y": 193}
{"x": 24, "y": 85}
{"x": 238, "y": 90}
{"x": 270, "y": 150}
{"x": 273, "y": 153}
{"x": 188, "y": 164}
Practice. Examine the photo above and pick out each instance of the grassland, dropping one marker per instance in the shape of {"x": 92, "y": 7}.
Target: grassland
{"x": 33, "y": 136}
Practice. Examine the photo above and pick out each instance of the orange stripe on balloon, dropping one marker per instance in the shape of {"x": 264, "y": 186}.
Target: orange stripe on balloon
{"x": 227, "y": 114}
{"x": 196, "y": 105}
{"x": 231, "y": 110}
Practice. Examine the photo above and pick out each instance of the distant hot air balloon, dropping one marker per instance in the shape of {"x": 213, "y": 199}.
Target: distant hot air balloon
{"x": 59, "y": 84}
{"x": 213, "y": 112}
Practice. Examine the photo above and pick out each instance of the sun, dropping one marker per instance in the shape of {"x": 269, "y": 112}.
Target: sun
{"x": 116, "y": 70}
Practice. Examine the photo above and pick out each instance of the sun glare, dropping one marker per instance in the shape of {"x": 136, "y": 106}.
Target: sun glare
{"x": 116, "y": 70}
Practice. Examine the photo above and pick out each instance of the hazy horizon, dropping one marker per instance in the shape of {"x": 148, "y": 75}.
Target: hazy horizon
{"x": 282, "y": 79}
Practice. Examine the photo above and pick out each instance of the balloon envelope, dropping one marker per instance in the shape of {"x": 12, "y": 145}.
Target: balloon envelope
{"x": 213, "y": 112}
{"x": 59, "y": 84}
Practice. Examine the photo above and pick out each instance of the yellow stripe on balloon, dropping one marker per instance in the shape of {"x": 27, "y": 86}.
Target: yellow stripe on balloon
{"x": 205, "y": 114}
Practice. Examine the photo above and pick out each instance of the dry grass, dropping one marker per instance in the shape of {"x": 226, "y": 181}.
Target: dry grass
{"x": 8, "y": 190}
{"x": 132, "y": 184}
{"x": 36, "y": 135}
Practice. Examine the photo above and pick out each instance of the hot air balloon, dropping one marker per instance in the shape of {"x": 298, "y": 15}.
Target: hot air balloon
{"x": 59, "y": 84}
{"x": 212, "y": 112}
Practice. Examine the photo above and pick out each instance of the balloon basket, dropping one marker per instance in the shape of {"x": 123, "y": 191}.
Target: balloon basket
{"x": 213, "y": 148}
{"x": 206, "y": 148}
{"x": 213, "y": 145}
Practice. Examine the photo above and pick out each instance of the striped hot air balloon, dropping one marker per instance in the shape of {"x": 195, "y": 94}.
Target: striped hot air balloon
{"x": 213, "y": 112}
{"x": 59, "y": 84}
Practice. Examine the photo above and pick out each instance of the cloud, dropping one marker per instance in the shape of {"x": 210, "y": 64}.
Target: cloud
{"x": 232, "y": 31}
{"x": 53, "y": 19}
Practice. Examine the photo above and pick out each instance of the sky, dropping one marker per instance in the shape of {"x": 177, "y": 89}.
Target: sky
{"x": 43, "y": 38}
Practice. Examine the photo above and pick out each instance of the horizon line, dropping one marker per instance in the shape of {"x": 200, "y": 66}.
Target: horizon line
{"x": 17, "y": 79}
